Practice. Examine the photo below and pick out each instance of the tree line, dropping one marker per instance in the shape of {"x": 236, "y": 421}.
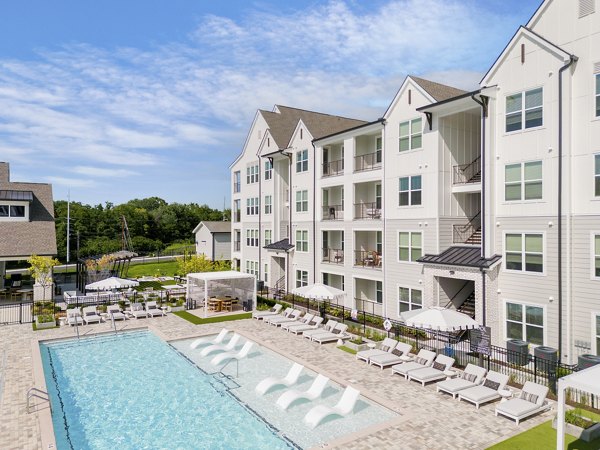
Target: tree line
{"x": 153, "y": 225}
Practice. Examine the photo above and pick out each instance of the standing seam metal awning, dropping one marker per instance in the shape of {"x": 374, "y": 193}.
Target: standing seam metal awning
{"x": 462, "y": 257}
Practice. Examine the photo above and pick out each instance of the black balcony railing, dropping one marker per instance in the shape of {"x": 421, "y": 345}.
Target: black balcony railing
{"x": 333, "y": 168}
{"x": 468, "y": 233}
{"x": 371, "y": 259}
{"x": 333, "y": 255}
{"x": 237, "y": 216}
{"x": 333, "y": 212}
{"x": 367, "y": 210}
{"x": 237, "y": 187}
{"x": 369, "y": 161}
{"x": 467, "y": 173}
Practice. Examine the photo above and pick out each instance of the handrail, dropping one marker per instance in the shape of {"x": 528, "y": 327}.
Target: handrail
{"x": 34, "y": 392}
{"x": 458, "y": 292}
{"x": 368, "y": 161}
{"x": 367, "y": 210}
{"x": 333, "y": 255}
{"x": 333, "y": 168}
{"x": 237, "y": 367}
{"x": 465, "y": 173}
{"x": 333, "y": 212}
{"x": 462, "y": 232}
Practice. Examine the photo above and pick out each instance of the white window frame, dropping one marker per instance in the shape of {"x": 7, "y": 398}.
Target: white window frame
{"x": 412, "y": 134}
{"x": 10, "y": 218}
{"x": 237, "y": 182}
{"x": 266, "y": 273}
{"x": 524, "y": 323}
{"x": 300, "y": 275}
{"x": 252, "y": 239}
{"x": 301, "y": 241}
{"x": 523, "y": 182}
{"x": 268, "y": 236}
{"x": 593, "y": 255}
{"x": 302, "y": 161}
{"x": 237, "y": 206}
{"x": 303, "y": 202}
{"x": 523, "y": 111}
{"x": 410, "y": 295}
{"x": 268, "y": 170}
{"x": 252, "y": 174}
{"x": 253, "y": 268}
{"x": 596, "y": 174}
{"x": 595, "y": 334}
{"x": 410, "y": 247}
{"x": 410, "y": 191}
{"x": 523, "y": 271}
{"x": 252, "y": 206}
{"x": 596, "y": 95}
{"x": 268, "y": 204}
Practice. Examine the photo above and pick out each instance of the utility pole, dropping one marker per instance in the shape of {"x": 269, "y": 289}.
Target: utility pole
{"x": 68, "y": 225}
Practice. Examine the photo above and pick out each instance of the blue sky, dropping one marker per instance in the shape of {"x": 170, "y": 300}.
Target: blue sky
{"x": 118, "y": 99}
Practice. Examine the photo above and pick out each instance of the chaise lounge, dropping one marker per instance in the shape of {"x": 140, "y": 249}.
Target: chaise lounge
{"x": 293, "y": 395}
{"x": 329, "y": 326}
{"x": 343, "y": 408}
{"x": 115, "y": 313}
{"x": 398, "y": 355}
{"x": 259, "y": 315}
{"x": 423, "y": 359}
{"x": 218, "y": 339}
{"x": 386, "y": 348}
{"x": 531, "y": 401}
{"x": 339, "y": 332}
{"x": 227, "y": 356}
{"x": 222, "y": 347}
{"x": 434, "y": 373}
{"x": 289, "y": 380}
{"x": 470, "y": 377}
{"x": 298, "y": 328}
{"x": 90, "y": 315}
{"x": 153, "y": 310}
{"x": 486, "y": 392}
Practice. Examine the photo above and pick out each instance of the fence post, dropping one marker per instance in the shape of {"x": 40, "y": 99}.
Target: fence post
{"x": 535, "y": 374}
{"x": 364, "y": 322}
{"x": 416, "y": 338}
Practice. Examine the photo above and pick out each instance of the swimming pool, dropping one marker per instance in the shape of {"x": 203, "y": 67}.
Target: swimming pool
{"x": 134, "y": 391}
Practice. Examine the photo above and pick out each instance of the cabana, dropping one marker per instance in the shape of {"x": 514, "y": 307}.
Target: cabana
{"x": 585, "y": 381}
{"x": 204, "y": 285}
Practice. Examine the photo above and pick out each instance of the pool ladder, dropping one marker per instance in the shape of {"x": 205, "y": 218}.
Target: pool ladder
{"x": 34, "y": 392}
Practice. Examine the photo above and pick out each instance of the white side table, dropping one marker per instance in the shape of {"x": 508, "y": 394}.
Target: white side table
{"x": 505, "y": 394}
{"x": 450, "y": 374}
{"x": 406, "y": 358}
{"x": 371, "y": 345}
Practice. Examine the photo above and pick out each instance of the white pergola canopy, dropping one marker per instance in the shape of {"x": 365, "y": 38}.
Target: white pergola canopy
{"x": 203, "y": 285}
{"x": 587, "y": 380}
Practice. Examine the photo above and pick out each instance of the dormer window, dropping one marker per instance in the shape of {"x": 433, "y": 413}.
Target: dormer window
{"x": 14, "y": 205}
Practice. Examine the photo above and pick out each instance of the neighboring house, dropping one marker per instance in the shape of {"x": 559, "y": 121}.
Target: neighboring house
{"x": 485, "y": 201}
{"x": 213, "y": 240}
{"x": 26, "y": 220}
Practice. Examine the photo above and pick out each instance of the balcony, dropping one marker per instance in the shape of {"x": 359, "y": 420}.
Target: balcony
{"x": 368, "y": 295}
{"x": 333, "y": 212}
{"x": 333, "y": 168}
{"x": 237, "y": 246}
{"x": 237, "y": 187}
{"x": 367, "y": 211}
{"x": 368, "y": 259}
{"x": 370, "y": 161}
{"x": 469, "y": 232}
{"x": 333, "y": 256}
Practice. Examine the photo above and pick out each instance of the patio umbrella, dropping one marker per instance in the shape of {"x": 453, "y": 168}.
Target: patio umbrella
{"x": 318, "y": 291}
{"x": 439, "y": 319}
{"x": 111, "y": 283}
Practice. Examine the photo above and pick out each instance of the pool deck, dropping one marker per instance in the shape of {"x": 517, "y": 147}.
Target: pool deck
{"x": 427, "y": 420}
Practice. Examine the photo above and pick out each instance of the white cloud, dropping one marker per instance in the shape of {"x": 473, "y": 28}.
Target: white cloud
{"x": 71, "y": 182}
{"x": 100, "y": 172}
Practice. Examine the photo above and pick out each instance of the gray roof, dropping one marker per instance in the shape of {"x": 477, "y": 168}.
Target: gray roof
{"x": 461, "y": 256}
{"x": 18, "y": 196}
{"x": 437, "y": 90}
{"x": 283, "y": 123}
{"x": 283, "y": 244}
{"x": 215, "y": 226}
{"x": 38, "y": 236}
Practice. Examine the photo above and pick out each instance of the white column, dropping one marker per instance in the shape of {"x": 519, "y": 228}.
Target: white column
{"x": 560, "y": 417}
{"x": 205, "y": 299}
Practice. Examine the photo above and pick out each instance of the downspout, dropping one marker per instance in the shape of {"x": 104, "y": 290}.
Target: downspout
{"x": 384, "y": 215}
{"x": 314, "y": 214}
{"x": 287, "y": 259}
{"x": 572, "y": 60}
{"x": 260, "y": 207}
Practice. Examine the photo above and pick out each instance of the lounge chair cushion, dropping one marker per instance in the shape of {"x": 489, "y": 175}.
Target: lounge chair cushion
{"x": 439, "y": 366}
{"x": 90, "y": 313}
{"x": 336, "y": 331}
{"x": 479, "y": 394}
{"x": 491, "y": 384}
{"x": 421, "y": 361}
{"x": 426, "y": 374}
{"x": 454, "y": 385}
{"x": 528, "y": 397}
{"x": 517, "y": 407}
{"x": 385, "y": 348}
{"x": 385, "y": 359}
{"x": 470, "y": 377}
{"x": 397, "y": 352}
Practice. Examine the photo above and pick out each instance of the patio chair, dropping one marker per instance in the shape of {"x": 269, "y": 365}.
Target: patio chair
{"x": 398, "y": 355}
{"x": 314, "y": 324}
{"x": 295, "y": 318}
{"x": 228, "y": 356}
{"x": 221, "y": 347}
{"x": 289, "y": 380}
{"x": 339, "y": 332}
{"x": 153, "y": 310}
{"x": 293, "y": 395}
{"x": 115, "y": 313}
{"x": 294, "y": 315}
{"x": 387, "y": 346}
{"x": 286, "y": 313}
{"x": 258, "y": 315}
{"x": 423, "y": 359}
{"x": 137, "y": 310}
{"x": 486, "y": 392}
{"x": 436, "y": 372}
{"x": 201, "y": 342}
{"x": 305, "y": 320}
{"x": 74, "y": 317}
{"x": 329, "y": 326}
{"x": 343, "y": 408}
{"x": 90, "y": 315}
{"x": 470, "y": 377}
{"x": 531, "y": 401}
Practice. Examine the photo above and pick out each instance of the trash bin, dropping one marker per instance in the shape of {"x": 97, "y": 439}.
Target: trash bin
{"x": 518, "y": 352}
{"x": 247, "y": 305}
{"x": 190, "y": 303}
{"x": 260, "y": 285}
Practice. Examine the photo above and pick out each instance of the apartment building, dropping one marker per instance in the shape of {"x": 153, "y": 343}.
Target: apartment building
{"x": 483, "y": 201}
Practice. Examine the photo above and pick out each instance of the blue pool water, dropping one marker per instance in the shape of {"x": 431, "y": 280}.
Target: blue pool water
{"x": 134, "y": 391}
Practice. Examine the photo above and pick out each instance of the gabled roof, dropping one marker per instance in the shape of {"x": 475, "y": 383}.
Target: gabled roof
{"x": 214, "y": 226}
{"x": 282, "y": 245}
{"x": 462, "y": 257}
{"x": 438, "y": 91}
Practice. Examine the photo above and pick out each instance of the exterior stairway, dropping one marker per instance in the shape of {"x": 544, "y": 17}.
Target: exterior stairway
{"x": 468, "y": 306}
{"x": 475, "y": 238}
{"x": 475, "y": 178}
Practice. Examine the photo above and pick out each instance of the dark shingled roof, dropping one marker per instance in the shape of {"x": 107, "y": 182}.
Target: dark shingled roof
{"x": 216, "y": 226}
{"x": 38, "y": 236}
{"x": 18, "y": 196}
{"x": 461, "y": 256}
{"x": 283, "y": 244}
{"x": 438, "y": 91}
{"x": 283, "y": 123}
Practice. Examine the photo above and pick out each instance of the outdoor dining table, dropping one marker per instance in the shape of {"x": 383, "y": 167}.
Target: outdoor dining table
{"x": 24, "y": 293}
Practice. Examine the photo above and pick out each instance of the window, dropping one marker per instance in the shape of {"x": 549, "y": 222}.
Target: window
{"x": 301, "y": 240}
{"x": 301, "y": 278}
{"x": 302, "y": 161}
{"x": 301, "y": 201}
{"x": 410, "y": 191}
{"x": 410, "y": 135}
{"x": 252, "y": 238}
{"x": 525, "y": 252}
{"x": 266, "y": 272}
{"x": 379, "y": 291}
{"x": 378, "y": 148}
{"x": 268, "y": 237}
{"x": 378, "y": 242}
{"x": 252, "y": 174}
{"x": 409, "y": 299}
{"x": 268, "y": 204}
{"x": 237, "y": 185}
{"x": 596, "y": 257}
{"x": 597, "y": 175}
{"x": 236, "y": 210}
{"x": 409, "y": 246}
{"x": 597, "y": 330}
{"x": 252, "y": 206}
{"x": 12, "y": 211}
{"x": 268, "y": 170}
{"x": 525, "y": 322}
{"x": 524, "y": 107}
{"x": 252, "y": 268}
{"x": 523, "y": 181}
{"x": 597, "y": 77}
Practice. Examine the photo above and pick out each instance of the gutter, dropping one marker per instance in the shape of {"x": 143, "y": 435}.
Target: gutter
{"x": 287, "y": 259}
{"x": 314, "y": 214}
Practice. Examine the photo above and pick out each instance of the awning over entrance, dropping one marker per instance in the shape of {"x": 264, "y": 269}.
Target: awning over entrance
{"x": 462, "y": 257}
{"x": 282, "y": 245}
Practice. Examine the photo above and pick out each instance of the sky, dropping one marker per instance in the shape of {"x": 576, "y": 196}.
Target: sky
{"x": 119, "y": 99}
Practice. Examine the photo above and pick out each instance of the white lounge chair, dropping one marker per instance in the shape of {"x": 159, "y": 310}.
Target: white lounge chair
{"x": 531, "y": 401}
{"x": 398, "y": 355}
{"x": 153, "y": 310}
{"x": 90, "y": 315}
{"x": 304, "y": 320}
{"x": 386, "y": 347}
{"x": 74, "y": 317}
{"x": 227, "y": 356}
{"x": 434, "y": 373}
{"x": 330, "y": 325}
{"x": 222, "y": 347}
{"x": 201, "y": 342}
{"x": 137, "y": 311}
{"x": 486, "y": 392}
{"x": 286, "y": 313}
{"x": 292, "y": 317}
{"x": 259, "y": 315}
{"x": 470, "y": 377}
{"x": 115, "y": 313}
{"x": 423, "y": 359}
{"x": 314, "y": 391}
{"x": 312, "y": 325}
{"x": 270, "y": 382}
{"x": 344, "y": 407}
{"x": 339, "y": 332}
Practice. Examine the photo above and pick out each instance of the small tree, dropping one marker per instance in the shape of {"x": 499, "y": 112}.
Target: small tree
{"x": 41, "y": 270}
{"x": 199, "y": 263}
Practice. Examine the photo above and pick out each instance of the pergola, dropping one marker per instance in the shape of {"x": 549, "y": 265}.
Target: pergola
{"x": 203, "y": 285}
{"x": 586, "y": 380}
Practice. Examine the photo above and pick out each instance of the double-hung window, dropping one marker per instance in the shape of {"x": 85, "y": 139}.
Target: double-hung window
{"x": 597, "y": 77}
{"x": 523, "y": 181}
{"x": 268, "y": 237}
{"x": 524, "y": 110}
{"x": 268, "y": 204}
{"x": 302, "y": 161}
{"x": 409, "y": 299}
{"x": 409, "y": 246}
{"x": 524, "y": 252}
{"x": 379, "y": 292}
{"x": 301, "y": 201}
{"x": 596, "y": 255}
{"x": 597, "y": 334}
{"x": 525, "y": 322}
{"x": 597, "y": 175}
{"x": 252, "y": 238}
{"x": 252, "y": 206}
{"x": 410, "y": 190}
{"x": 252, "y": 268}
{"x": 301, "y": 278}
{"x": 411, "y": 135}
{"x": 302, "y": 240}
{"x": 237, "y": 184}
{"x": 237, "y": 210}
{"x": 252, "y": 174}
{"x": 268, "y": 170}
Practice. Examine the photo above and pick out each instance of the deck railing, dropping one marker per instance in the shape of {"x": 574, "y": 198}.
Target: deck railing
{"x": 369, "y": 161}
{"x": 332, "y": 168}
{"x": 333, "y": 212}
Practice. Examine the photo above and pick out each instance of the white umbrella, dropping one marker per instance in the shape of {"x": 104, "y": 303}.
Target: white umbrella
{"x": 318, "y": 291}
{"x": 439, "y": 319}
{"x": 111, "y": 283}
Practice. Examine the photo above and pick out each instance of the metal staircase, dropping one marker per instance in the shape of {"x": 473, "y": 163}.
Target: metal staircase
{"x": 278, "y": 291}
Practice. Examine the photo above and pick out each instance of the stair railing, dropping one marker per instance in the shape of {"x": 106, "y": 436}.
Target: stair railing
{"x": 458, "y": 292}
{"x": 465, "y": 173}
{"x": 462, "y": 232}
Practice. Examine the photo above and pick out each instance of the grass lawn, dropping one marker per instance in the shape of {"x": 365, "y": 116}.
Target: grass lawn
{"x": 163, "y": 269}
{"x": 199, "y": 321}
{"x": 347, "y": 349}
